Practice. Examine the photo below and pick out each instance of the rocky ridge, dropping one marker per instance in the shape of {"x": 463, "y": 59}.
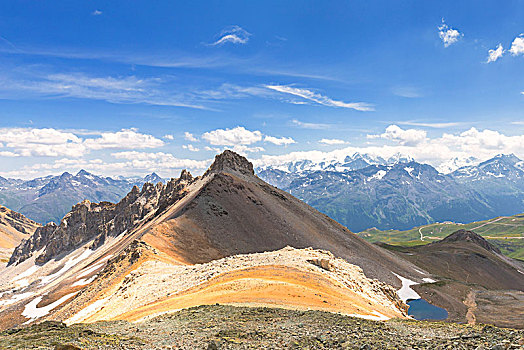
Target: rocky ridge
{"x": 96, "y": 221}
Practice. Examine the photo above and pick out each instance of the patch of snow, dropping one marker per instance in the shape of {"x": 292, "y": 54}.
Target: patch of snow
{"x": 33, "y": 312}
{"x": 428, "y": 280}
{"x": 84, "y": 281}
{"x": 87, "y": 271}
{"x": 68, "y": 265}
{"x": 16, "y": 298}
{"x": 422, "y": 273}
{"x": 409, "y": 170}
{"x": 405, "y": 292}
{"x": 26, "y": 273}
{"x": 378, "y": 316}
{"x": 87, "y": 311}
{"x": 378, "y": 175}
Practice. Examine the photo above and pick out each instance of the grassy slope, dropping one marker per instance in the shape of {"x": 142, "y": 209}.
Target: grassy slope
{"x": 506, "y": 232}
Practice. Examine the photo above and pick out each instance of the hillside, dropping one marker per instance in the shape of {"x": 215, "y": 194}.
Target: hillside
{"x": 475, "y": 282}
{"x": 505, "y": 232}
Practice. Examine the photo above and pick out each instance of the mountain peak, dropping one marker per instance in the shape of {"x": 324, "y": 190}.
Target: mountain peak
{"x": 229, "y": 160}
{"x": 82, "y": 172}
{"x": 470, "y": 236}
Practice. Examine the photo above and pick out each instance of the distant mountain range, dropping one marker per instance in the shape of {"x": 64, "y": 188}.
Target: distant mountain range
{"x": 49, "y": 198}
{"x": 400, "y": 193}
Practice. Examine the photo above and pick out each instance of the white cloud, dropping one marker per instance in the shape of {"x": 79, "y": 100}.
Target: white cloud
{"x": 130, "y": 163}
{"x": 306, "y": 125}
{"x": 50, "y": 142}
{"x": 190, "y": 137}
{"x": 448, "y": 35}
{"x": 438, "y": 151}
{"x": 243, "y": 149}
{"x": 123, "y": 139}
{"x": 191, "y": 148}
{"x": 431, "y": 125}
{"x": 332, "y": 141}
{"x": 122, "y": 90}
{"x": 232, "y": 137}
{"x": 96, "y": 13}
{"x": 282, "y": 141}
{"x": 409, "y": 137}
{"x": 41, "y": 142}
{"x": 495, "y": 54}
{"x": 234, "y": 35}
{"x": 517, "y": 46}
{"x": 169, "y": 137}
{"x": 320, "y": 99}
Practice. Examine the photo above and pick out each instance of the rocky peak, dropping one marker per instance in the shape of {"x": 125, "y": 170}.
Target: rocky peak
{"x": 470, "y": 236}
{"x": 231, "y": 161}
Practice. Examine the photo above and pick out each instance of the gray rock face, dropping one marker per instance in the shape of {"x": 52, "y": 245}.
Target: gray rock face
{"x": 229, "y": 160}
{"x": 96, "y": 221}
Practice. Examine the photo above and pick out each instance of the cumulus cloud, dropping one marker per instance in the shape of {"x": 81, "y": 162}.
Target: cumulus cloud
{"x": 448, "y": 35}
{"x": 320, "y": 99}
{"x": 169, "y": 137}
{"x": 495, "y": 54}
{"x": 232, "y": 34}
{"x": 332, "y": 141}
{"x": 50, "y": 142}
{"x": 408, "y": 137}
{"x": 232, "y": 137}
{"x": 190, "y": 137}
{"x": 191, "y": 148}
{"x": 282, "y": 141}
{"x": 123, "y": 139}
{"x": 517, "y": 46}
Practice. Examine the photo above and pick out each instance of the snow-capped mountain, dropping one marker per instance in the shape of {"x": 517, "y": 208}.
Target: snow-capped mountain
{"x": 351, "y": 162}
{"x": 48, "y": 198}
{"x": 401, "y": 193}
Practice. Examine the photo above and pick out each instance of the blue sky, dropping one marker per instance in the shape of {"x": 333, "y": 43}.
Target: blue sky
{"x": 130, "y": 87}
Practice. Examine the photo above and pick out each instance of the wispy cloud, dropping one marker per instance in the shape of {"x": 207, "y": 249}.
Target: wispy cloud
{"x": 448, "y": 35}
{"x": 320, "y": 99}
{"x": 122, "y": 90}
{"x": 495, "y": 54}
{"x": 407, "y": 91}
{"x": 96, "y": 13}
{"x": 306, "y": 125}
{"x": 232, "y": 34}
{"x": 432, "y": 125}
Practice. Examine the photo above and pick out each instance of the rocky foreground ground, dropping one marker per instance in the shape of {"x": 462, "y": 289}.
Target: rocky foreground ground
{"x": 228, "y": 327}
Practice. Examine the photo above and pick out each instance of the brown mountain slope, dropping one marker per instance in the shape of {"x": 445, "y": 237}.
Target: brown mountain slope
{"x": 476, "y": 282}
{"x": 14, "y": 227}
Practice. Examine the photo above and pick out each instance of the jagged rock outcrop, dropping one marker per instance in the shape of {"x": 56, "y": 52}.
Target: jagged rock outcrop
{"x": 231, "y": 161}
{"x": 96, "y": 221}
{"x": 470, "y": 236}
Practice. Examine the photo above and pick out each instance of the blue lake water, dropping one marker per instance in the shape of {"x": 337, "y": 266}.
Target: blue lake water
{"x": 420, "y": 309}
